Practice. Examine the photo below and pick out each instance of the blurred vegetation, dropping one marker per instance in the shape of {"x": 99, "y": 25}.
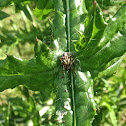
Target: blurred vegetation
{"x": 20, "y": 106}
{"x": 110, "y": 97}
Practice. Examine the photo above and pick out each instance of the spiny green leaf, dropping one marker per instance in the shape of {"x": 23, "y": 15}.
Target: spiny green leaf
{"x": 74, "y": 91}
{"x": 88, "y": 3}
{"x": 44, "y": 7}
{"x": 4, "y": 3}
{"x": 44, "y": 56}
{"x": 114, "y": 48}
{"x": 41, "y": 51}
{"x": 40, "y": 82}
{"x": 94, "y": 28}
{"x": 115, "y": 24}
{"x": 18, "y": 66}
{"x": 107, "y": 70}
{"x": 114, "y": 35}
{"x": 59, "y": 28}
{"x": 75, "y": 21}
{"x": 64, "y": 113}
{"x": 102, "y": 3}
{"x": 11, "y": 81}
{"x": 3, "y": 15}
{"x": 84, "y": 103}
{"x": 18, "y": 72}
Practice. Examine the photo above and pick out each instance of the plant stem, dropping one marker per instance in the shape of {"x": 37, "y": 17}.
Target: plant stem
{"x": 68, "y": 24}
{"x": 69, "y": 49}
{"x": 73, "y": 101}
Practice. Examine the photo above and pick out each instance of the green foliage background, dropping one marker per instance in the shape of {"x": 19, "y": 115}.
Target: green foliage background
{"x": 18, "y": 30}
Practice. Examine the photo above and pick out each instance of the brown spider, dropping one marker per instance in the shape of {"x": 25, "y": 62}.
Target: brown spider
{"x": 67, "y": 61}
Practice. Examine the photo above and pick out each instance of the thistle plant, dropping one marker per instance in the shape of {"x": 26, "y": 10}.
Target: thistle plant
{"x": 96, "y": 46}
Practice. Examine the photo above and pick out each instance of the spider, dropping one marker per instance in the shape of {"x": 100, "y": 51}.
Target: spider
{"x": 67, "y": 61}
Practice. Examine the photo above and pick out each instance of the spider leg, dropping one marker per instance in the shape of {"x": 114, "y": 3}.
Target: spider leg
{"x": 72, "y": 69}
{"x": 64, "y": 67}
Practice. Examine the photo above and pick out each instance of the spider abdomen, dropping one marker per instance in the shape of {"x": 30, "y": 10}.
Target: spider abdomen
{"x": 67, "y": 61}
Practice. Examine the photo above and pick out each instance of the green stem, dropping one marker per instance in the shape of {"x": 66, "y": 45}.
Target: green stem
{"x": 73, "y": 101}
{"x": 69, "y": 49}
{"x": 68, "y": 24}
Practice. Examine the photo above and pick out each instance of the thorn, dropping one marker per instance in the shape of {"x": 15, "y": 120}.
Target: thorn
{"x": 49, "y": 20}
{"x": 7, "y": 55}
{"x": 63, "y": 121}
{"x": 49, "y": 48}
{"x": 73, "y": 41}
{"x": 51, "y": 35}
{"x": 95, "y": 2}
{"x": 53, "y": 49}
{"x": 37, "y": 39}
{"x": 79, "y": 31}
